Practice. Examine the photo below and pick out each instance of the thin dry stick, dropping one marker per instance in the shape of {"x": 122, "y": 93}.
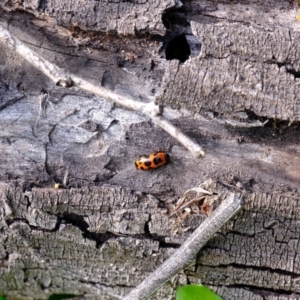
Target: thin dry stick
{"x": 63, "y": 78}
{"x": 189, "y": 249}
{"x": 151, "y": 110}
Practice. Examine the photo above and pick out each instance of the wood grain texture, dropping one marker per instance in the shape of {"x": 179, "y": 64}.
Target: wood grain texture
{"x": 110, "y": 227}
{"x": 240, "y": 68}
{"x": 50, "y": 235}
{"x": 56, "y": 240}
{"x": 122, "y": 17}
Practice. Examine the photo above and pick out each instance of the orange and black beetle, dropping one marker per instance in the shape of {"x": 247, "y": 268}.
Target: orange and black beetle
{"x": 152, "y": 161}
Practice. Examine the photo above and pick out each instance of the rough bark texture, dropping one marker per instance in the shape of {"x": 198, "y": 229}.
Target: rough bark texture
{"x": 110, "y": 226}
{"x": 261, "y": 72}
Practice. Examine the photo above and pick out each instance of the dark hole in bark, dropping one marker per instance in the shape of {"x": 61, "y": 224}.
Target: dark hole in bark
{"x": 292, "y": 71}
{"x": 178, "y": 48}
{"x": 75, "y": 220}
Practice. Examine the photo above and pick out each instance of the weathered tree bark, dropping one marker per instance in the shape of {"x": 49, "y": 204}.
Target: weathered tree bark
{"x": 109, "y": 226}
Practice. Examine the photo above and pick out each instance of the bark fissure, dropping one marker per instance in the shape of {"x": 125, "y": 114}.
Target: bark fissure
{"x": 103, "y": 238}
{"x": 265, "y": 291}
{"x": 241, "y": 267}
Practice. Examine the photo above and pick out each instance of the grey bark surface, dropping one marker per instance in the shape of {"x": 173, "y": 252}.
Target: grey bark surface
{"x": 261, "y": 73}
{"x": 108, "y": 228}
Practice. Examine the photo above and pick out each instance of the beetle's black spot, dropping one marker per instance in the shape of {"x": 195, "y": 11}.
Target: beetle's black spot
{"x": 148, "y": 163}
{"x": 157, "y": 160}
{"x": 141, "y": 168}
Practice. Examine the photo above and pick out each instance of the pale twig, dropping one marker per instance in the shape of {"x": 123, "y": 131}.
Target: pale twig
{"x": 189, "y": 249}
{"x": 66, "y": 79}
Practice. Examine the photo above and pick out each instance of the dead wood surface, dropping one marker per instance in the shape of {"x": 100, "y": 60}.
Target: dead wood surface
{"x": 110, "y": 226}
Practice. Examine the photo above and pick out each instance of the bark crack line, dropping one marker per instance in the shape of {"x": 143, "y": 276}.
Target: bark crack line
{"x": 11, "y": 102}
{"x": 249, "y": 267}
{"x": 97, "y": 284}
{"x": 262, "y": 290}
{"x": 63, "y": 53}
{"x": 265, "y": 293}
{"x": 100, "y": 238}
{"x": 160, "y": 239}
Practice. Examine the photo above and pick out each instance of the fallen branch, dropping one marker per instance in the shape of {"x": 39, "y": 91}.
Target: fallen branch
{"x": 63, "y": 78}
{"x": 189, "y": 249}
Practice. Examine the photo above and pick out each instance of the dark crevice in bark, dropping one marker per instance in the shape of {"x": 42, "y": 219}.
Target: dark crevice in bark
{"x": 280, "y": 126}
{"x": 9, "y": 221}
{"x": 288, "y": 66}
{"x": 101, "y": 179}
{"x": 269, "y": 131}
{"x": 99, "y": 238}
{"x": 242, "y": 234}
{"x": 75, "y": 220}
{"x": 11, "y": 102}
{"x": 79, "y": 222}
{"x": 146, "y": 227}
{"x": 174, "y": 17}
{"x": 103, "y": 284}
{"x": 292, "y": 71}
{"x": 116, "y": 45}
{"x": 4, "y": 262}
{"x": 161, "y": 240}
{"x": 273, "y": 61}
{"x": 168, "y": 245}
{"x": 252, "y": 116}
{"x": 262, "y": 291}
{"x": 26, "y": 198}
{"x": 273, "y": 133}
{"x": 178, "y": 26}
{"x": 244, "y": 267}
{"x": 179, "y": 42}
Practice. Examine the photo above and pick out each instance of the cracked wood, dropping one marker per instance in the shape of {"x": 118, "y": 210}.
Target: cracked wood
{"x": 85, "y": 142}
